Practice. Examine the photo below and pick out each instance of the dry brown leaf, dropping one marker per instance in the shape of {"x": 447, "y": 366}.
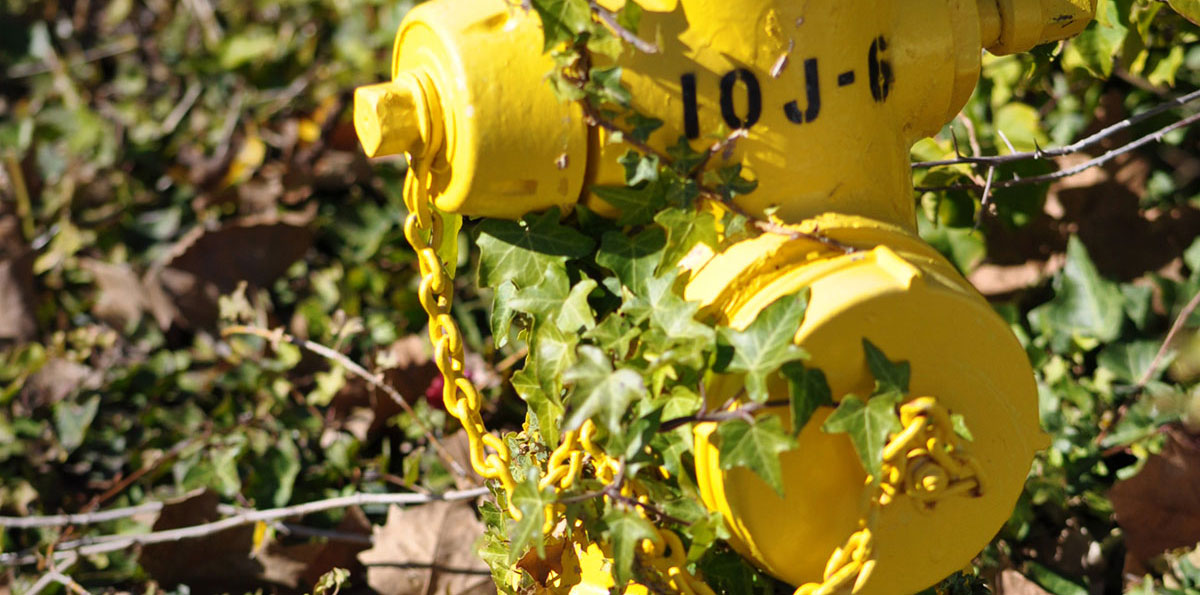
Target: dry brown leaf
{"x": 428, "y": 549}
{"x": 16, "y": 284}
{"x": 56, "y": 380}
{"x": 120, "y": 299}
{"x": 213, "y": 563}
{"x": 1159, "y": 508}
{"x": 208, "y": 263}
{"x": 341, "y": 554}
{"x": 1012, "y": 582}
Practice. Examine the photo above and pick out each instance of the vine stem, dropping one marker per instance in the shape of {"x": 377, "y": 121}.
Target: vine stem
{"x": 277, "y": 335}
{"x": 1066, "y": 149}
{"x": 1162, "y": 350}
{"x": 1064, "y": 173}
{"x": 107, "y": 543}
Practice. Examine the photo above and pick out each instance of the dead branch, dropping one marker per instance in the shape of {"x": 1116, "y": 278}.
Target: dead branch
{"x": 107, "y": 543}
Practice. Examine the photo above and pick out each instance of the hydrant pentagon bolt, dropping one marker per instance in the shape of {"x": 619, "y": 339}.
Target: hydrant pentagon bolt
{"x": 831, "y": 96}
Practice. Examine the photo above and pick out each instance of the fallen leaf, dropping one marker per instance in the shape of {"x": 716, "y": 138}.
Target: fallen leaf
{"x": 56, "y": 380}
{"x": 212, "y": 563}
{"x": 341, "y": 553}
{"x": 16, "y": 284}
{"x": 205, "y": 264}
{"x": 120, "y": 298}
{"x": 1159, "y": 508}
{"x": 428, "y": 549}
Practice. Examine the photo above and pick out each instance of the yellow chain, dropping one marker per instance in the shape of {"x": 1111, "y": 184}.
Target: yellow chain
{"x": 926, "y": 461}
{"x": 462, "y": 400}
{"x": 459, "y": 395}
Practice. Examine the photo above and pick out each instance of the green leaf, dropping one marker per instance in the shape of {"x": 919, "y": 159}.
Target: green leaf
{"x": 755, "y": 446}
{"x": 545, "y": 299}
{"x": 668, "y": 312}
{"x": 521, "y": 251}
{"x": 868, "y": 426}
{"x": 889, "y": 376}
{"x": 766, "y": 344}
{"x": 807, "y": 390}
{"x": 1138, "y": 302}
{"x": 1129, "y": 361}
{"x": 600, "y": 391}
{"x": 641, "y": 127}
{"x": 685, "y": 228}
{"x": 632, "y": 259}
{"x": 637, "y": 205}
{"x": 1021, "y": 125}
{"x": 607, "y": 84}
{"x": 625, "y": 531}
{"x": 1052, "y": 581}
{"x": 684, "y": 157}
{"x": 575, "y": 313}
{"x": 447, "y": 250}
{"x": 562, "y": 20}
{"x": 527, "y": 532}
{"x": 1085, "y": 304}
{"x": 502, "y": 312}
{"x": 639, "y": 168}
{"x": 613, "y": 335}
{"x": 1093, "y": 49}
{"x": 71, "y": 420}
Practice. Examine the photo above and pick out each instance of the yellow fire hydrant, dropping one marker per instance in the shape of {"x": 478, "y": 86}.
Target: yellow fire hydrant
{"x": 830, "y": 96}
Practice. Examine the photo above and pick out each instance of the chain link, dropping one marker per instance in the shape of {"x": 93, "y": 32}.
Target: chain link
{"x": 926, "y": 461}
{"x": 436, "y": 294}
{"x": 461, "y": 398}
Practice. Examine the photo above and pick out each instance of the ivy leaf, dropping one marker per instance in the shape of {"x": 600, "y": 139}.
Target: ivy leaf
{"x": 502, "y": 312}
{"x": 544, "y": 299}
{"x": 807, "y": 390}
{"x": 527, "y": 532}
{"x": 641, "y": 127}
{"x": 600, "y": 391}
{"x": 639, "y": 168}
{"x": 632, "y": 259}
{"x": 671, "y": 314}
{"x": 562, "y": 20}
{"x": 766, "y": 344}
{"x": 574, "y": 312}
{"x": 1129, "y": 361}
{"x": 520, "y": 251}
{"x": 1188, "y": 9}
{"x": 685, "y": 229}
{"x": 683, "y": 157}
{"x": 606, "y": 82}
{"x": 868, "y": 426}
{"x": 755, "y": 446}
{"x": 889, "y": 376}
{"x": 625, "y": 531}
{"x": 1085, "y": 305}
{"x": 613, "y": 335}
{"x": 637, "y": 205}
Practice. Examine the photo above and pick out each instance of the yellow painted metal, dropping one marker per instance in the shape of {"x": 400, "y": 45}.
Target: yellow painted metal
{"x": 903, "y": 297}
{"x": 831, "y": 95}
{"x": 473, "y": 72}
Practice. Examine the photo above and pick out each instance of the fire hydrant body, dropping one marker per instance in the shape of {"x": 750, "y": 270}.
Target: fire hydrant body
{"x": 830, "y": 96}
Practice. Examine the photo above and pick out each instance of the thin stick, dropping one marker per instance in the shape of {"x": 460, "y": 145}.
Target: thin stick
{"x": 983, "y": 201}
{"x": 594, "y": 118}
{"x": 109, "y": 543}
{"x": 1073, "y": 147}
{"x": 609, "y": 18}
{"x": 108, "y": 50}
{"x": 1065, "y": 173}
{"x": 1162, "y": 351}
{"x": 372, "y": 379}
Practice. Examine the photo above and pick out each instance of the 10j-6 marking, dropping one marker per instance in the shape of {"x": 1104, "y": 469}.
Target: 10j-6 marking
{"x": 879, "y": 78}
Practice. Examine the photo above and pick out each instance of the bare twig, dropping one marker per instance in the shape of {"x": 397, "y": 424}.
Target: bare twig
{"x": 972, "y": 137}
{"x": 1075, "y": 147}
{"x": 374, "y": 380}
{"x": 725, "y": 144}
{"x": 108, "y": 50}
{"x": 745, "y": 412}
{"x": 97, "y": 545}
{"x": 1162, "y": 351}
{"x": 609, "y": 18}
{"x": 595, "y": 119}
{"x": 984, "y": 203}
{"x": 1065, "y": 173}
{"x": 181, "y": 109}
